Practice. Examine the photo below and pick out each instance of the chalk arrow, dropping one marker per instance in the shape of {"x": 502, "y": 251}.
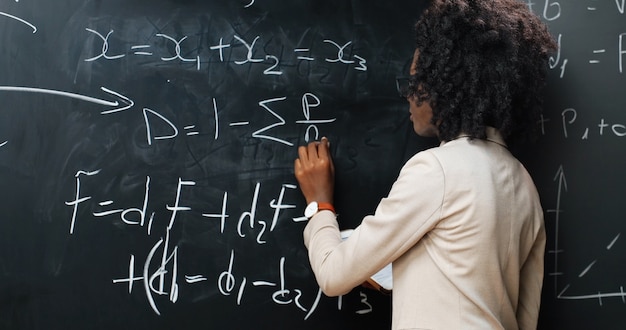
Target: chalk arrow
{"x": 20, "y": 20}
{"x": 126, "y": 102}
{"x": 560, "y": 175}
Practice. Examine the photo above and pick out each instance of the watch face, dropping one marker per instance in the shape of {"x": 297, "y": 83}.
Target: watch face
{"x": 310, "y": 210}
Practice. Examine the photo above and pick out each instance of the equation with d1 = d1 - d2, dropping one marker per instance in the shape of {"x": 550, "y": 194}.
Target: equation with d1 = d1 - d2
{"x": 159, "y": 276}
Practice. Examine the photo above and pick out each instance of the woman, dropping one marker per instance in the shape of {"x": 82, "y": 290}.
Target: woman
{"x": 462, "y": 224}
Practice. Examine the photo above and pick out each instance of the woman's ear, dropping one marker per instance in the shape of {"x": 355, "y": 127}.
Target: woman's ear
{"x": 416, "y": 55}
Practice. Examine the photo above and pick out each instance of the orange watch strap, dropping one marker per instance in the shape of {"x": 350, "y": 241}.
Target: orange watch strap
{"x": 325, "y": 206}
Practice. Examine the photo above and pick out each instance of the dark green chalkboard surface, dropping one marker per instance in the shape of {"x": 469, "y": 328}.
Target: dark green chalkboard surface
{"x": 146, "y": 154}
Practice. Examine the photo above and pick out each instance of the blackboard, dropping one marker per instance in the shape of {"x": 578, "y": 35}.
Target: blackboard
{"x": 578, "y": 165}
{"x": 146, "y": 153}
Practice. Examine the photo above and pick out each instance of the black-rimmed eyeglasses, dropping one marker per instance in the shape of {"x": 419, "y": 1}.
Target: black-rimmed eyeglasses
{"x": 404, "y": 85}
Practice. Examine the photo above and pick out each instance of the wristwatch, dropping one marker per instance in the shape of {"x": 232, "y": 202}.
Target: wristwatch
{"x": 315, "y": 207}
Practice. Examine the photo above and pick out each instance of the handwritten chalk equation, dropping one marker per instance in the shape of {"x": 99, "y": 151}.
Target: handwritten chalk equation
{"x": 603, "y": 128}
{"x": 594, "y": 57}
{"x": 570, "y": 115}
{"x": 161, "y": 276}
{"x": 272, "y": 61}
{"x": 600, "y": 53}
{"x": 141, "y": 216}
{"x": 308, "y": 102}
{"x": 551, "y": 10}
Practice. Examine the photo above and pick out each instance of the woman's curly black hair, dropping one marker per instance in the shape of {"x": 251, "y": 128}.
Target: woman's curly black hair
{"x": 481, "y": 63}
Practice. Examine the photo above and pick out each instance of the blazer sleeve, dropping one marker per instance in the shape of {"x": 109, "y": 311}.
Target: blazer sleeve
{"x": 531, "y": 281}
{"x": 410, "y": 211}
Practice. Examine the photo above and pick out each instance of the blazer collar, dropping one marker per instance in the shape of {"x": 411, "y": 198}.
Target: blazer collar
{"x": 493, "y": 135}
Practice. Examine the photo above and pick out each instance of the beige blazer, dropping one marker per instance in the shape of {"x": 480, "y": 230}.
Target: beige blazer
{"x": 464, "y": 229}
